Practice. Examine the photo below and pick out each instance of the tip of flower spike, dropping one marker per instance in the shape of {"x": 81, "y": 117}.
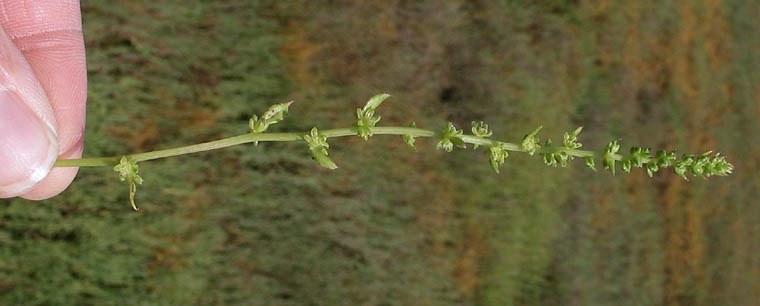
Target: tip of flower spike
{"x": 702, "y": 166}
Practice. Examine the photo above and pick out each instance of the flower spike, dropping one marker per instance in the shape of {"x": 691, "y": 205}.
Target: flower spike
{"x": 704, "y": 165}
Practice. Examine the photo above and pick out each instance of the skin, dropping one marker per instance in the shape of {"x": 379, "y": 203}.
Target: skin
{"x": 42, "y": 61}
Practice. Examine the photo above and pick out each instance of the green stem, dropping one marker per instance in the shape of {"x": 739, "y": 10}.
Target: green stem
{"x": 250, "y": 137}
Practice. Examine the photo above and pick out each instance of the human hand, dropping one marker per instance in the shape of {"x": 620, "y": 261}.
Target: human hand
{"x": 43, "y": 89}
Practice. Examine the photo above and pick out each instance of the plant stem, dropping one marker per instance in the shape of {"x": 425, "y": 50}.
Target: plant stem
{"x": 251, "y": 137}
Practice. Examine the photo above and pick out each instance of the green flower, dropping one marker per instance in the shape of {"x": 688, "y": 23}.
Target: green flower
{"x": 680, "y": 167}
{"x": 318, "y": 148}
{"x": 652, "y": 167}
{"x": 625, "y": 165}
{"x": 665, "y": 159}
{"x": 530, "y": 143}
{"x": 365, "y": 117}
{"x": 549, "y": 158}
{"x": 557, "y": 158}
{"x": 498, "y": 153}
{"x": 450, "y": 137}
{"x": 571, "y": 139}
{"x": 480, "y": 129}
{"x": 608, "y": 158}
{"x": 718, "y": 166}
{"x": 638, "y": 155}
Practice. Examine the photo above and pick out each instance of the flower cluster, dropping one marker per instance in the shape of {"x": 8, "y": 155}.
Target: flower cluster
{"x": 662, "y": 159}
{"x": 571, "y": 139}
{"x": 450, "y": 137}
{"x": 703, "y": 166}
{"x": 480, "y": 129}
{"x": 531, "y": 143}
{"x": 609, "y": 154}
{"x": 636, "y": 158}
{"x": 560, "y": 156}
{"x": 498, "y": 153}
{"x": 128, "y": 171}
{"x": 274, "y": 114}
{"x": 365, "y": 117}
{"x": 318, "y": 148}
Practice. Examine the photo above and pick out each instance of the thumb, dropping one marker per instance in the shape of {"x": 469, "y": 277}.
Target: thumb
{"x": 28, "y": 143}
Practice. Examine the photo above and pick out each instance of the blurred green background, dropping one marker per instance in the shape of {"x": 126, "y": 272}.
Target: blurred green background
{"x": 267, "y": 226}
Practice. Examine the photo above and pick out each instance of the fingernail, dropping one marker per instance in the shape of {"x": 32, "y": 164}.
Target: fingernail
{"x": 28, "y": 148}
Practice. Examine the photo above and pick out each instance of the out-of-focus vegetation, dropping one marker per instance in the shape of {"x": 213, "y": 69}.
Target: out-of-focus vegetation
{"x": 267, "y": 226}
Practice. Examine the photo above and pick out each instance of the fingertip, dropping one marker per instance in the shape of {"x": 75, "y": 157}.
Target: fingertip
{"x": 54, "y": 184}
{"x": 57, "y": 180}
